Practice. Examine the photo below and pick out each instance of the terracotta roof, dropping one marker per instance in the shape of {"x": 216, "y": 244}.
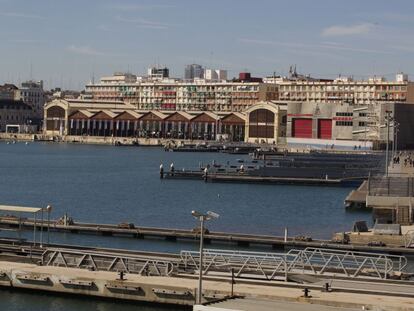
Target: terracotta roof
{"x": 186, "y": 115}
{"x": 132, "y": 115}
{"x": 109, "y": 113}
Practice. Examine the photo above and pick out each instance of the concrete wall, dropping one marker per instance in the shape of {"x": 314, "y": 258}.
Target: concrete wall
{"x": 404, "y": 114}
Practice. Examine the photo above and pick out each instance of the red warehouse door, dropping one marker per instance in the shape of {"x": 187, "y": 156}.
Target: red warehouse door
{"x": 302, "y": 128}
{"x": 325, "y": 128}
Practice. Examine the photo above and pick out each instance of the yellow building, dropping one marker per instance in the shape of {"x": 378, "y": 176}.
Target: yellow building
{"x": 265, "y": 123}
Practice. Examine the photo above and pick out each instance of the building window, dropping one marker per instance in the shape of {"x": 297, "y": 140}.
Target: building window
{"x": 362, "y": 114}
{"x": 362, "y": 124}
{"x": 343, "y": 123}
{"x": 344, "y": 114}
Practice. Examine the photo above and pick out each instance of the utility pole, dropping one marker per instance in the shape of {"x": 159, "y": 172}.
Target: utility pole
{"x": 388, "y": 120}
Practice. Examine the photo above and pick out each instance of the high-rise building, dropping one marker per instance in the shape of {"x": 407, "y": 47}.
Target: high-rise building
{"x": 221, "y": 74}
{"x": 215, "y": 74}
{"x": 210, "y": 75}
{"x": 158, "y": 73}
{"x": 193, "y": 71}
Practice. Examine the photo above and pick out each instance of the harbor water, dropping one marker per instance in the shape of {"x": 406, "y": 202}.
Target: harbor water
{"x": 108, "y": 184}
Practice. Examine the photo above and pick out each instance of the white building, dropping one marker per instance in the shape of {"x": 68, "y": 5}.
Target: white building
{"x": 215, "y": 74}
{"x": 221, "y": 74}
{"x": 210, "y": 75}
{"x": 31, "y": 93}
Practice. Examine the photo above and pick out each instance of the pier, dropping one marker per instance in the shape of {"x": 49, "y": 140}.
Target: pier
{"x": 246, "y": 178}
{"x": 129, "y": 230}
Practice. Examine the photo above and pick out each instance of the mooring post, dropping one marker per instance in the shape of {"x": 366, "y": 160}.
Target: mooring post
{"x": 286, "y": 234}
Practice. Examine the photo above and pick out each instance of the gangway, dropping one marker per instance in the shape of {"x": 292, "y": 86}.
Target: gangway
{"x": 315, "y": 261}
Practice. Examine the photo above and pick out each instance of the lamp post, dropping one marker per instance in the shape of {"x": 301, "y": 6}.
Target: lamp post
{"x": 395, "y": 140}
{"x": 388, "y": 119}
{"x": 202, "y": 218}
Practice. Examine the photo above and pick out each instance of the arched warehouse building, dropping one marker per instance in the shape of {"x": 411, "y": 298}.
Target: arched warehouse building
{"x": 265, "y": 122}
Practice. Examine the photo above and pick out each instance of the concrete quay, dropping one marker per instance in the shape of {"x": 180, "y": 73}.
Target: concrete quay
{"x": 182, "y": 290}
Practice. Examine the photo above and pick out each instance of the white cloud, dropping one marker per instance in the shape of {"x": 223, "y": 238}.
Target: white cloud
{"x": 84, "y": 50}
{"x": 20, "y": 15}
{"x": 143, "y": 23}
{"x": 350, "y": 30}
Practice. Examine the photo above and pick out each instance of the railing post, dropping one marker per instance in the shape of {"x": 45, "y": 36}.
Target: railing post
{"x": 388, "y": 187}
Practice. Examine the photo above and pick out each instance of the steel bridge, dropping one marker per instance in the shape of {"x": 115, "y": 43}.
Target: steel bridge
{"x": 269, "y": 266}
{"x": 315, "y": 261}
{"x": 144, "y": 265}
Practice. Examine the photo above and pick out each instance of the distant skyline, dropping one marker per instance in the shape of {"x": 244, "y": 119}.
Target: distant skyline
{"x": 65, "y": 43}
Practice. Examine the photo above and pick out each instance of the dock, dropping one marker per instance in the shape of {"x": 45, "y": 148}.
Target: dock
{"x": 171, "y": 234}
{"x": 253, "y": 179}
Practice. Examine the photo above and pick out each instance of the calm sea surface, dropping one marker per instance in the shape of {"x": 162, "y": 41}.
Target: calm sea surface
{"x": 121, "y": 184}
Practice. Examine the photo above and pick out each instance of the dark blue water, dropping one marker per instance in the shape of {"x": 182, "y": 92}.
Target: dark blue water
{"x": 121, "y": 184}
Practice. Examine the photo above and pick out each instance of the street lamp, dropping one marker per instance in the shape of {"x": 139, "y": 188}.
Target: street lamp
{"x": 202, "y": 218}
{"x": 388, "y": 119}
{"x": 395, "y": 140}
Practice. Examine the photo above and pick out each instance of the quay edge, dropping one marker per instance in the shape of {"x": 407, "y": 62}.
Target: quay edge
{"x": 175, "y": 290}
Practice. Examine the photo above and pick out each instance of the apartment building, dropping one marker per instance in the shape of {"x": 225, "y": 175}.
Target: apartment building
{"x": 340, "y": 90}
{"x": 32, "y": 93}
{"x": 170, "y": 94}
{"x": 14, "y": 114}
{"x": 9, "y": 91}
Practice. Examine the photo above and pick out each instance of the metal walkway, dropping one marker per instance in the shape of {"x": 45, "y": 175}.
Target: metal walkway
{"x": 143, "y": 265}
{"x": 315, "y": 261}
{"x": 269, "y": 266}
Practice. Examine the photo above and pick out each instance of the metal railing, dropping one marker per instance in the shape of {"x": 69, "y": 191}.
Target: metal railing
{"x": 409, "y": 239}
{"x": 269, "y": 266}
{"x": 391, "y": 186}
{"x": 109, "y": 262}
{"x": 314, "y": 261}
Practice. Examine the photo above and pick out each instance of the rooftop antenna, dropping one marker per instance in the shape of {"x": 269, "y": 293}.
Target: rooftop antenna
{"x": 31, "y": 71}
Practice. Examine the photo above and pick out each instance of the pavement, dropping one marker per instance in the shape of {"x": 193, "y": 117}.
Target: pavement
{"x": 277, "y": 291}
{"x": 254, "y": 304}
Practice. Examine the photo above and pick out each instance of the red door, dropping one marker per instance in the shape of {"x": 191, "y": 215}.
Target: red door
{"x": 302, "y": 128}
{"x": 325, "y": 128}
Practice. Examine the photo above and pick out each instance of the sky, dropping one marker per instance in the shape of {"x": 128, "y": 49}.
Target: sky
{"x": 67, "y": 43}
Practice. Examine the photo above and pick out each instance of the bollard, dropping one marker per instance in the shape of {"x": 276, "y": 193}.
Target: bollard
{"x": 286, "y": 234}
{"x": 327, "y": 288}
